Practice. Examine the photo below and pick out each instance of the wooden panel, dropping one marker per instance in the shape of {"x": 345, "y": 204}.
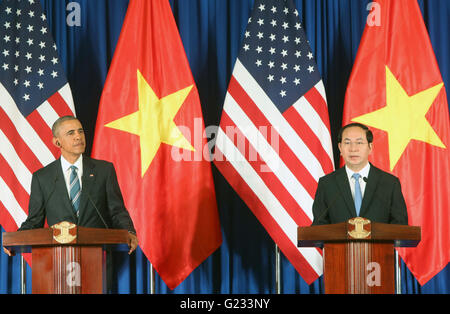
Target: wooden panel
{"x": 93, "y": 275}
{"x": 359, "y": 267}
{"x": 42, "y": 275}
{"x": 335, "y": 268}
{"x": 384, "y": 255}
{"x": 96, "y": 236}
{"x": 44, "y": 237}
{"x": 317, "y": 235}
{"x": 401, "y": 235}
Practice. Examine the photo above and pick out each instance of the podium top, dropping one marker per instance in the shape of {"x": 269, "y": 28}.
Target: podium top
{"x": 63, "y": 234}
{"x": 359, "y": 229}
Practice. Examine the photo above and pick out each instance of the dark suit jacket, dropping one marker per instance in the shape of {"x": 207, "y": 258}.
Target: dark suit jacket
{"x": 382, "y": 202}
{"x": 49, "y": 198}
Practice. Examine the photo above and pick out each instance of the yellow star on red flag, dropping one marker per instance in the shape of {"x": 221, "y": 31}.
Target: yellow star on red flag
{"x": 153, "y": 122}
{"x": 403, "y": 117}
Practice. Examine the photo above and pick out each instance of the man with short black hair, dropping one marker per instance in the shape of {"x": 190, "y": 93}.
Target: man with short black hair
{"x": 76, "y": 188}
{"x": 358, "y": 188}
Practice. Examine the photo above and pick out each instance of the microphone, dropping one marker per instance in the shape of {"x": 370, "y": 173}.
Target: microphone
{"x": 96, "y": 209}
{"x": 365, "y": 179}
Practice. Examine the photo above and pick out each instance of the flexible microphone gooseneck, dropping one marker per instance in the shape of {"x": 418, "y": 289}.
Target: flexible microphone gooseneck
{"x": 96, "y": 209}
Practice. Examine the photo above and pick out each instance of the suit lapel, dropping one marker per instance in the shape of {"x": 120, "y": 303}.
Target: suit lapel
{"x": 371, "y": 185}
{"x": 61, "y": 189}
{"x": 87, "y": 180}
{"x": 344, "y": 187}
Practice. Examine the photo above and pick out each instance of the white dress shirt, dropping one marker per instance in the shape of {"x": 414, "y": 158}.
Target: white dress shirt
{"x": 364, "y": 172}
{"x": 67, "y": 171}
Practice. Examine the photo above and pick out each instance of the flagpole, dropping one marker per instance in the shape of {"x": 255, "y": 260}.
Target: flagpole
{"x": 277, "y": 270}
{"x": 152, "y": 278}
{"x": 23, "y": 275}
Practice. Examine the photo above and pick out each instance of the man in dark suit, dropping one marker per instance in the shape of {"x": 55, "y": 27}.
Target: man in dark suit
{"x": 358, "y": 188}
{"x": 76, "y": 188}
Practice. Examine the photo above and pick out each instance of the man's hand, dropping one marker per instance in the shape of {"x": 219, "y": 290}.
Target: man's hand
{"x": 132, "y": 242}
{"x": 8, "y": 252}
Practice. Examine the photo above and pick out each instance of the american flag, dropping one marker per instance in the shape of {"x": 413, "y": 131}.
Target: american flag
{"x": 33, "y": 93}
{"x": 273, "y": 142}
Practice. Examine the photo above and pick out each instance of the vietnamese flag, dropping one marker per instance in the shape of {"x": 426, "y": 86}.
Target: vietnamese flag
{"x": 397, "y": 90}
{"x": 150, "y": 125}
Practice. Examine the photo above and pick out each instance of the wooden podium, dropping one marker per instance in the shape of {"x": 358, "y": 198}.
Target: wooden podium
{"x": 359, "y": 255}
{"x": 66, "y": 258}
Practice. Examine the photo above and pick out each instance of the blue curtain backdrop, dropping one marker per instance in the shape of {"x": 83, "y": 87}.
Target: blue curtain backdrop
{"x": 211, "y": 31}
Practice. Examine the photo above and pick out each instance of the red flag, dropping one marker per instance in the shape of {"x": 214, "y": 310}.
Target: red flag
{"x": 150, "y": 125}
{"x": 396, "y": 89}
{"x": 274, "y": 142}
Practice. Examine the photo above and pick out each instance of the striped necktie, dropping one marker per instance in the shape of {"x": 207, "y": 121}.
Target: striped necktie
{"x": 75, "y": 189}
{"x": 358, "y": 194}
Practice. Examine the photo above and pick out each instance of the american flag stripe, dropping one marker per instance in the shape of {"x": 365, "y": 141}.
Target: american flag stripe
{"x": 270, "y": 156}
{"x": 301, "y": 262}
{"x": 10, "y": 203}
{"x": 13, "y": 159}
{"x": 36, "y": 121}
{"x": 48, "y": 114}
{"x": 315, "y": 138}
{"x": 285, "y": 152}
{"x": 5, "y": 217}
{"x": 26, "y": 131}
{"x": 266, "y": 208}
{"x": 280, "y": 160}
{"x": 61, "y": 102}
{"x": 313, "y": 116}
{"x": 316, "y": 103}
{"x": 269, "y": 178}
{"x": 277, "y": 120}
{"x": 10, "y": 132}
{"x": 20, "y": 193}
{"x": 257, "y": 186}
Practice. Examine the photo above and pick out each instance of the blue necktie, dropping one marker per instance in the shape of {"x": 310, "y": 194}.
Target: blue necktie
{"x": 358, "y": 194}
{"x": 75, "y": 189}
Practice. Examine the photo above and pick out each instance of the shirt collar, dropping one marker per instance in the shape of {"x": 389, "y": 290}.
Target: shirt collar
{"x": 66, "y": 165}
{"x": 364, "y": 172}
